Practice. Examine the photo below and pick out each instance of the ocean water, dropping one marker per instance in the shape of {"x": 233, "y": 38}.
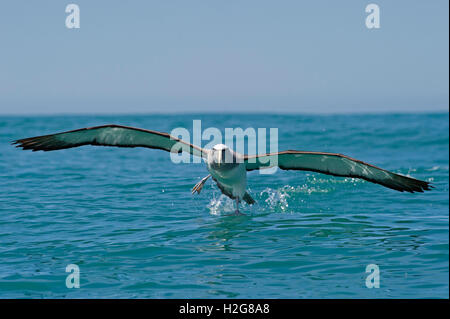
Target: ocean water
{"x": 127, "y": 218}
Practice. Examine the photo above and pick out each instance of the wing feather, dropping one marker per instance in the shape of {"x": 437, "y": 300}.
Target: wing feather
{"x": 109, "y": 135}
{"x": 336, "y": 165}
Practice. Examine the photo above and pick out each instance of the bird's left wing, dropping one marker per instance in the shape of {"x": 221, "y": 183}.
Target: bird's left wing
{"x": 337, "y": 165}
{"x": 109, "y": 135}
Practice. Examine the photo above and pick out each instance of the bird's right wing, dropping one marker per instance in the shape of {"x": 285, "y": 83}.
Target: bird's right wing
{"x": 110, "y": 135}
{"x": 337, "y": 165}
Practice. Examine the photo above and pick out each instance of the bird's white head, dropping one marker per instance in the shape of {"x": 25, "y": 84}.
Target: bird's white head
{"x": 223, "y": 156}
{"x": 220, "y": 147}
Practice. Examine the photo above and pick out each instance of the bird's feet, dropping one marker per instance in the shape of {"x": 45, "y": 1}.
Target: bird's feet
{"x": 198, "y": 187}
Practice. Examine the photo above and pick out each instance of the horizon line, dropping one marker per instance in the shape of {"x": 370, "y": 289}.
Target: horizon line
{"x": 56, "y": 114}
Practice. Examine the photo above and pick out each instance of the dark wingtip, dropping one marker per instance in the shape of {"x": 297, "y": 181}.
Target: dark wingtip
{"x": 425, "y": 186}
{"x": 409, "y": 184}
{"x": 18, "y": 144}
{"x": 22, "y": 144}
{"x": 32, "y": 143}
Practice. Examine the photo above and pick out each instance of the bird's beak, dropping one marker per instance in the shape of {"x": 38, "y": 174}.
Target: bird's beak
{"x": 219, "y": 158}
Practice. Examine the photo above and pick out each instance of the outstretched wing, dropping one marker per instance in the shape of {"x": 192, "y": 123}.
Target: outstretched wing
{"x": 337, "y": 165}
{"x": 109, "y": 135}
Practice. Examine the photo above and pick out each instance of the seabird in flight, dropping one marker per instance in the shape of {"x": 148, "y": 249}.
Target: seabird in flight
{"x": 227, "y": 168}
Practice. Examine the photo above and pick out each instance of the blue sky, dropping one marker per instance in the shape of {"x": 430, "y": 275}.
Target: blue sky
{"x": 211, "y": 55}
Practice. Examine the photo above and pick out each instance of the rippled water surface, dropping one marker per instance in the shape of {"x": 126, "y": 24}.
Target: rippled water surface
{"x": 127, "y": 218}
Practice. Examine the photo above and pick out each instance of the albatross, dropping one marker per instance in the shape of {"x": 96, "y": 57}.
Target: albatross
{"x": 226, "y": 167}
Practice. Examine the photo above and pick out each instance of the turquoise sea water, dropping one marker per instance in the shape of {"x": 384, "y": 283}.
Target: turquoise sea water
{"x": 127, "y": 218}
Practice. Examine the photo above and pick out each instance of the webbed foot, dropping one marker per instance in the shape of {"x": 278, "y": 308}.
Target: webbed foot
{"x": 198, "y": 187}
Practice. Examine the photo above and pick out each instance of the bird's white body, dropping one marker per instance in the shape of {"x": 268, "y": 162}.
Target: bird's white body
{"x": 231, "y": 175}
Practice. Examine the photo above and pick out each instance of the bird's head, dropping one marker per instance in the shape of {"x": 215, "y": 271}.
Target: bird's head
{"x": 222, "y": 156}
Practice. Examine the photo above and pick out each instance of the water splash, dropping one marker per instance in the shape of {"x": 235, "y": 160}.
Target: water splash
{"x": 279, "y": 199}
{"x": 221, "y": 205}
{"x": 437, "y": 168}
{"x": 313, "y": 179}
{"x": 276, "y": 199}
